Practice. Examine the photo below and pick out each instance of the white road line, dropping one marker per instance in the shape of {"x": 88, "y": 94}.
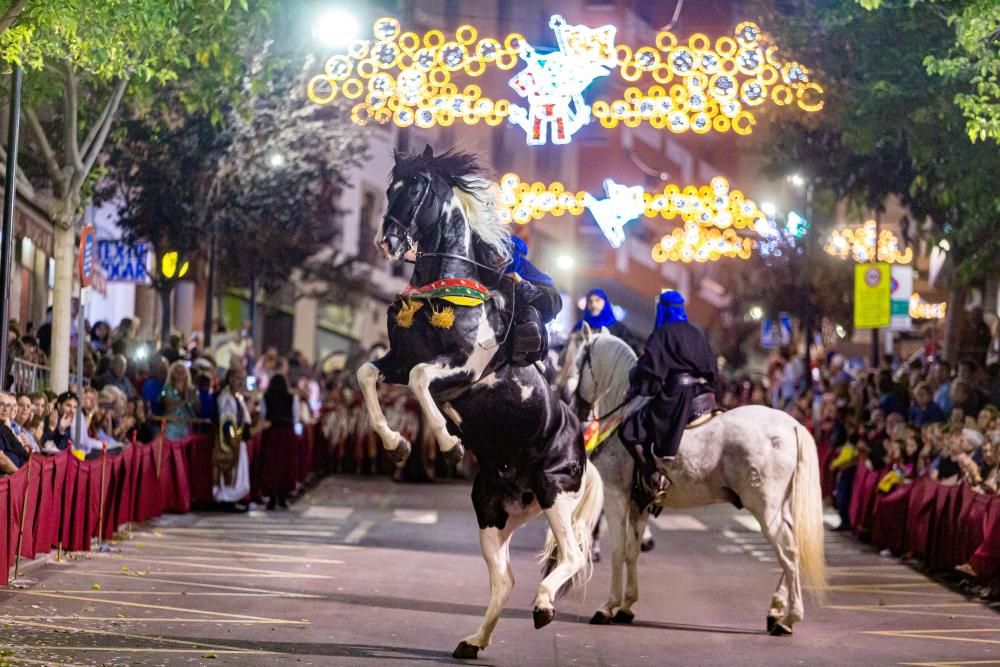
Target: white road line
{"x": 333, "y": 512}
{"x": 678, "y": 522}
{"x": 422, "y": 517}
{"x": 359, "y": 532}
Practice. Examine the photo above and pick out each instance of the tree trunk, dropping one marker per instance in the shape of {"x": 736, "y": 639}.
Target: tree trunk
{"x": 62, "y": 295}
{"x": 953, "y": 322}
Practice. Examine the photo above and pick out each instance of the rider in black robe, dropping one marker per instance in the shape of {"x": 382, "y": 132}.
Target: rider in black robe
{"x": 676, "y": 367}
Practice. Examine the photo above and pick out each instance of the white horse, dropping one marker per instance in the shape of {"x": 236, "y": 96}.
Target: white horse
{"x": 752, "y": 456}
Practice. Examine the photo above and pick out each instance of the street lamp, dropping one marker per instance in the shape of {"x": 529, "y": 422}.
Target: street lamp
{"x": 276, "y": 160}
{"x": 565, "y": 262}
{"x": 172, "y": 269}
{"x": 335, "y": 28}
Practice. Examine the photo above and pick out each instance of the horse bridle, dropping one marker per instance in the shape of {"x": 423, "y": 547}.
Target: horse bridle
{"x": 395, "y": 222}
{"x": 588, "y": 364}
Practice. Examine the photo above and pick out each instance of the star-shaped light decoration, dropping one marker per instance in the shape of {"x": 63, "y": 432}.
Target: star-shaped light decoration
{"x": 623, "y": 205}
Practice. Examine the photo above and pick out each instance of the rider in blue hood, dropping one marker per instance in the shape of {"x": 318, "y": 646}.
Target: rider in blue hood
{"x": 599, "y": 313}
{"x": 536, "y": 303}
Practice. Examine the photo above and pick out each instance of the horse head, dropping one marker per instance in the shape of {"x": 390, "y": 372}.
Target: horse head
{"x": 599, "y": 370}
{"x": 440, "y": 207}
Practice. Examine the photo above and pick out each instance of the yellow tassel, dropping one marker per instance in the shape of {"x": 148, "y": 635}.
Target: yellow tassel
{"x": 444, "y": 318}
{"x": 407, "y": 310}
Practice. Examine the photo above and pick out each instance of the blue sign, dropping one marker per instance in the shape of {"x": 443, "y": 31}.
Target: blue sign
{"x": 123, "y": 262}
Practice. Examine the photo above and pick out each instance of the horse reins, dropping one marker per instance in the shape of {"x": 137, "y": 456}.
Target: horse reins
{"x": 587, "y": 363}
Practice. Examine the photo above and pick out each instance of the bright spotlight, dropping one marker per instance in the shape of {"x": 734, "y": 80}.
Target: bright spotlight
{"x": 565, "y": 262}
{"x": 276, "y": 160}
{"x": 335, "y": 28}
{"x": 797, "y": 180}
{"x": 755, "y": 313}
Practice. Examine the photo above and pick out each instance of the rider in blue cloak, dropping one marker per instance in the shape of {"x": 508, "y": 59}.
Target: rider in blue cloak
{"x": 678, "y": 371}
{"x": 536, "y": 303}
{"x": 599, "y": 313}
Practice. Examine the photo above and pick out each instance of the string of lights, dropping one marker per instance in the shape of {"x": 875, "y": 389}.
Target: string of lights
{"x": 697, "y": 85}
{"x": 860, "y": 244}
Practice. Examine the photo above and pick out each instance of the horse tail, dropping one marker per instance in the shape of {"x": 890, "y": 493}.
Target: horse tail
{"x": 807, "y": 514}
{"x": 586, "y": 514}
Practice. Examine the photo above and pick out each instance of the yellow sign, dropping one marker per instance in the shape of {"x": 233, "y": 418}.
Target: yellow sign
{"x": 872, "y": 296}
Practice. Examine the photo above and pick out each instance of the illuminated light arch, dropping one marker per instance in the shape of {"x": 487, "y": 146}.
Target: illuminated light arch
{"x": 694, "y": 85}
{"x": 859, "y": 243}
{"x": 714, "y": 216}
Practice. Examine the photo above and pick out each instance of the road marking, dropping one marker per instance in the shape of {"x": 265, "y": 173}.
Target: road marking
{"x": 911, "y": 612}
{"x": 952, "y": 664}
{"x": 233, "y": 568}
{"x": 678, "y": 522}
{"x": 187, "y": 584}
{"x": 333, "y": 512}
{"x": 421, "y": 517}
{"x": 359, "y": 532}
{"x": 126, "y": 649}
{"x": 937, "y": 634}
{"x": 224, "y": 532}
{"x": 728, "y": 549}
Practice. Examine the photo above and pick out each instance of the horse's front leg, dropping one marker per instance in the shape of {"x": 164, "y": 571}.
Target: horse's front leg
{"x": 421, "y": 378}
{"x": 397, "y": 446}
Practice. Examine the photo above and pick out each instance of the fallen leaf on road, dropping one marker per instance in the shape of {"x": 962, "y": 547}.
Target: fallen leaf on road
{"x": 96, "y": 587}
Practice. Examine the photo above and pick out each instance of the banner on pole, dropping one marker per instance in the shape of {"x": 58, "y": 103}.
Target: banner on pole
{"x": 85, "y": 255}
{"x": 872, "y": 296}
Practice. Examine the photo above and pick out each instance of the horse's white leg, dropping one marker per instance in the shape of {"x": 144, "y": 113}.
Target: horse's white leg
{"x": 495, "y": 545}
{"x": 570, "y": 558}
{"x": 615, "y": 509}
{"x": 395, "y": 444}
{"x": 779, "y": 603}
{"x": 421, "y": 378}
{"x": 776, "y": 524}
{"x": 633, "y": 546}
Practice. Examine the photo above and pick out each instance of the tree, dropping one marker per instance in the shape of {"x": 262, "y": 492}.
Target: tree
{"x": 974, "y": 59}
{"x": 263, "y": 177}
{"x": 889, "y": 127}
{"x": 81, "y": 60}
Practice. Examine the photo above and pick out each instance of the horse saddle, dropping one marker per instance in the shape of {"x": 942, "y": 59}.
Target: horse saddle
{"x": 703, "y": 408}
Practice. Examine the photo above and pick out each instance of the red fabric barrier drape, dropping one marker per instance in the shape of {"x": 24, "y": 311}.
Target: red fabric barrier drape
{"x": 5, "y": 517}
{"x": 918, "y": 516}
{"x": 199, "y": 467}
{"x": 19, "y": 502}
{"x": 148, "y": 493}
{"x": 942, "y": 532}
{"x": 986, "y": 558}
{"x": 889, "y": 519}
{"x": 863, "y": 499}
{"x": 174, "y": 477}
{"x": 46, "y": 518}
{"x": 974, "y": 525}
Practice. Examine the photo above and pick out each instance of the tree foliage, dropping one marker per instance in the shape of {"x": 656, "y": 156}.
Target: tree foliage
{"x": 974, "y": 59}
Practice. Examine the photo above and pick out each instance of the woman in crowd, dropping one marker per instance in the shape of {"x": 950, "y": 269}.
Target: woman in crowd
{"x": 100, "y": 337}
{"x": 280, "y": 412}
{"x": 58, "y": 432}
{"x": 179, "y": 401}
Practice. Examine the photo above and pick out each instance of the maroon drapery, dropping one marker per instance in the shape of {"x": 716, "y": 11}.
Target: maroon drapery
{"x": 889, "y": 519}
{"x": 986, "y": 558}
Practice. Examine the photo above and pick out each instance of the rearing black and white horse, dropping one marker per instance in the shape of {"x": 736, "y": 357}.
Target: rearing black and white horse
{"x": 446, "y": 334}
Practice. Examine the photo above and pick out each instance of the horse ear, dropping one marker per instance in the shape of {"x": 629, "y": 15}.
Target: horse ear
{"x": 588, "y": 333}
{"x": 428, "y": 152}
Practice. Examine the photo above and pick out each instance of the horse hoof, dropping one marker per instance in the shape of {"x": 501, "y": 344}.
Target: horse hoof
{"x": 624, "y": 617}
{"x": 647, "y": 545}
{"x": 780, "y": 630}
{"x": 543, "y": 617}
{"x": 454, "y": 455}
{"x": 600, "y": 618}
{"x": 402, "y": 451}
{"x": 771, "y": 622}
{"x": 465, "y": 651}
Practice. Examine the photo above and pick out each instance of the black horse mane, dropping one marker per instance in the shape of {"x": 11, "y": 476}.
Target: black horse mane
{"x": 458, "y": 168}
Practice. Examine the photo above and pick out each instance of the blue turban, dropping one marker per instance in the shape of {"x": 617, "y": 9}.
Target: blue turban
{"x": 605, "y": 318}
{"x": 520, "y": 264}
{"x": 670, "y": 308}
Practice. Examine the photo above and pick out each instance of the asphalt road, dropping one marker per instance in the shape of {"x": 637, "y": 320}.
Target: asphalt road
{"x": 364, "y": 571}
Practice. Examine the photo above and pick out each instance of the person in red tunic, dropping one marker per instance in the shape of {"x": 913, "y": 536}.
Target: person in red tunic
{"x": 279, "y": 409}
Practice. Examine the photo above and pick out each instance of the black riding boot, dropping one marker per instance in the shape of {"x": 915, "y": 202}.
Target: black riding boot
{"x": 647, "y": 481}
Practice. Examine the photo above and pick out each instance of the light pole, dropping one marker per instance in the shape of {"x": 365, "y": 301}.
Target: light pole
{"x": 9, "y": 198}
{"x": 805, "y": 283}
{"x": 172, "y": 269}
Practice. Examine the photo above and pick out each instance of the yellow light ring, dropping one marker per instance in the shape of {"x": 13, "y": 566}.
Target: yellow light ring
{"x": 720, "y": 93}
{"x": 632, "y": 121}
{"x": 493, "y": 119}
{"x": 768, "y": 75}
{"x": 470, "y": 117}
{"x": 404, "y": 61}
{"x": 352, "y": 89}
{"x": 782, "y": 95}
{"x": 439, "y": 59}
{"x": 701, "y": 123}
{"x": 385, "y": 65}
{"x": 367, "y": 68}
{"x": 403, "y": 117}
{"x": 507, "y": 59}
{"x": 666, "y": 40}
{"x": 803, "y": 103}
{"x": 339, "y": 67}
{"x": 678, "y": 68}
{"x": 772, "y": 57}
{"x": 711, "y": 109}
{"x": 316, "y": 97}
{"x": 609, "y": 121}
{"x": 438, "y": 77}
{"x": 659, "y": 122}
{"x": 433, "y": 39}
{"x": 679, "y": 92}
{"x": 721, "y": 124}
{"x": 488, "y": 48}
{"x": 660, "y": 255}
{"x": 753, "y": 102}
{"x": 474, "y": 66}
{"x": 726, "y": 47}
{"x": 502, "y": 108}
{"x": 513, "y": 42}
{"x": 662, "y": 74}
{"x": 382, "y": 116}
{"x": 623, "y": 54}
{"x": 600, "y": 109}
{"x": 360, "y": 114}
{"x": 729, "y": 67}
{"x": 390, "y": 22}
{"x": 449, "y": 89}
{"x": 409, "y": 42}
{"x": 653, "y": 54}
{"x": 699, "y": 42}
{"x": 466, "y": 34}
{"x": 632, "y": 94}
{"x": 630, "y": 71}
